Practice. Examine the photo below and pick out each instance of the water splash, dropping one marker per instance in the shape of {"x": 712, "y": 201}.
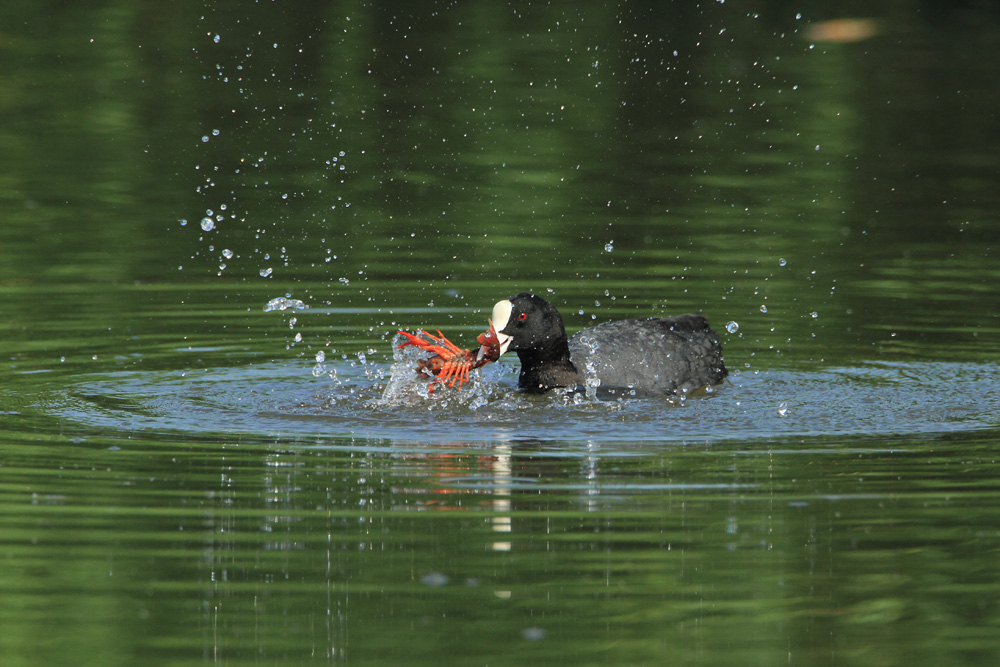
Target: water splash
{"x": 284, "y": 303}
{"x": 591, "y": 382}
{"x": 408, "y": 386}
{"x": 319, "y": 369}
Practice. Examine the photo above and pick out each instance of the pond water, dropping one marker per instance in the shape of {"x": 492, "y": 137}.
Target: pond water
{"x": 192, "y": 472}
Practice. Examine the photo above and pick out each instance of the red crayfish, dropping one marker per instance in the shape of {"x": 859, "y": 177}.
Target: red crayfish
{"x": 450, "y": 363}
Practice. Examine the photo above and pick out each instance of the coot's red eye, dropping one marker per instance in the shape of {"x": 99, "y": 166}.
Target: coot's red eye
{"x": 522, "y": 317}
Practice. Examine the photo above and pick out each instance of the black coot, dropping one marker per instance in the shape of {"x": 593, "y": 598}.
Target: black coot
{"x": 657, "y": 355}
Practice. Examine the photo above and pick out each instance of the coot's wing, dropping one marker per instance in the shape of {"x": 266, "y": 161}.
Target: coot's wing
{"x": 656, "y": 355}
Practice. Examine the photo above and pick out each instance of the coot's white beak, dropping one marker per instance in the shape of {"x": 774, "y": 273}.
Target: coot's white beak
{"x": 501, "y": 316}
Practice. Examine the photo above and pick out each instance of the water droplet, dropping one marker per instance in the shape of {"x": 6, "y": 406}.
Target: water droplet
{"x": 227, "y": 253}
{"x": 609, "y": 246}
{"x": 217, "y": 39}
{"x": 204, "y": 139}
{"x": 284, "y": 303}
{"x": 434, "y": 579}
{"x": 763, "y": 308}
{"x": 814, "y": 314}
{"x": 782, "y": 261}
{"x": 320, "y": 357}
{"x": 298, "y": 338}
{"x": 732, "y": 327}
{"x": 215, "y": 133}
{"x": 265, "y": 273}
{"x": 782, "y": 409}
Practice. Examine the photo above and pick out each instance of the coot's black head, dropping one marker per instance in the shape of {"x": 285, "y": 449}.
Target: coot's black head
{"x": 526, "y": 322}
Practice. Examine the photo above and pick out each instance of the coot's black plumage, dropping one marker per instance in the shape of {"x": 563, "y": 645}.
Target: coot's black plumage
{"x": 657, "y": 355}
